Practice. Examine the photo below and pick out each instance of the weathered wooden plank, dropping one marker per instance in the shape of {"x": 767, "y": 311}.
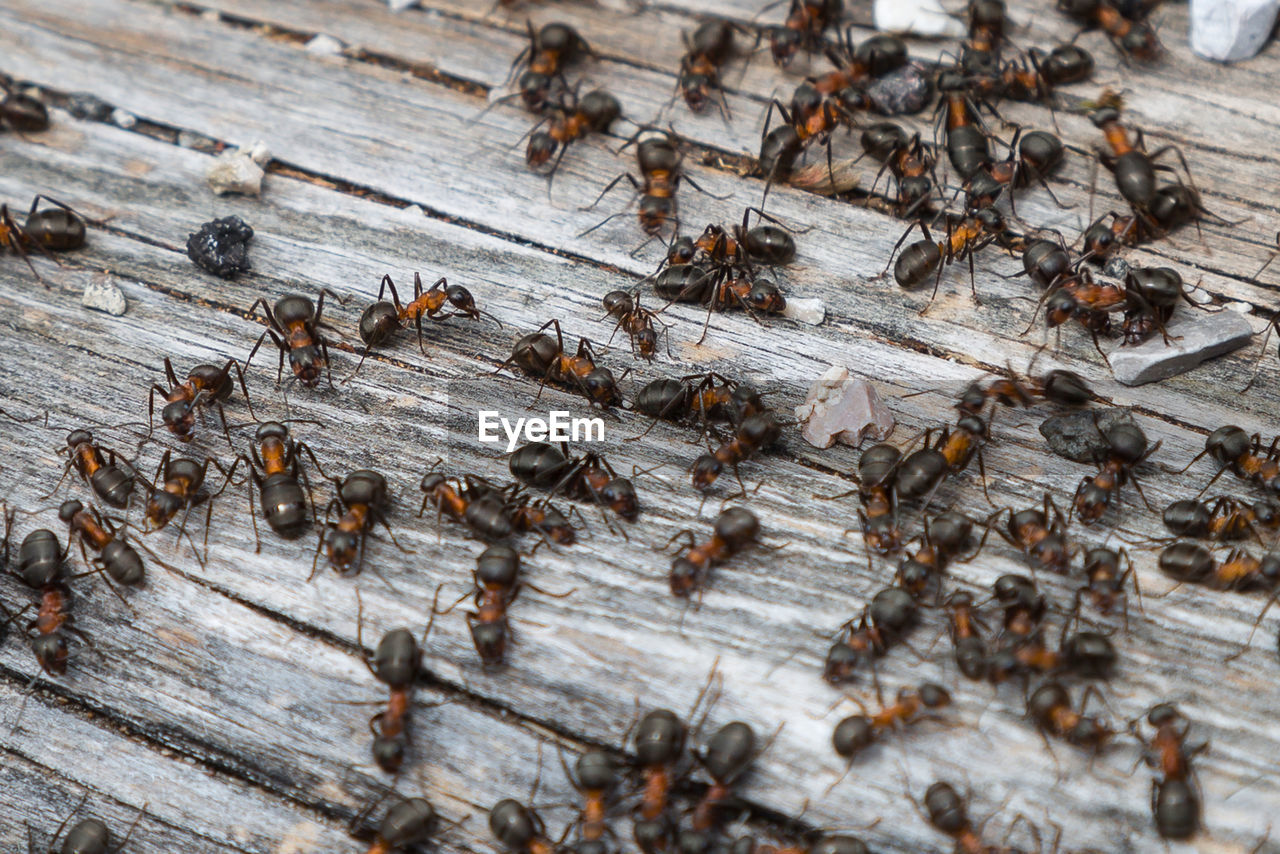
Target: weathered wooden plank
{"x": 791, "y": 584}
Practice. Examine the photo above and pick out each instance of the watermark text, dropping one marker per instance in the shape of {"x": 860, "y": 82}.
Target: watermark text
{"x": 557, "y": 427}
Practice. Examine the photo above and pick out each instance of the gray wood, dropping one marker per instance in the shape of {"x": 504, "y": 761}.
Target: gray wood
{"x": 231, "y": 679}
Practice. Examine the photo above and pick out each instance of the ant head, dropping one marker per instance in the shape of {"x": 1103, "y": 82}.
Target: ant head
{"x": 1175, "y": 204}
{"x": 784, "y": 43}
{"x": 179, "y": 417}
{"x": 1066, "y": 63}
{"x": 1090, "y": 655}
{"x": 51, "y": 652}
{"x": 79, "y": 437}
{"x": 655, "y": 211}
{"x": 161, "y": 507}
{"x": 987, "y": 13}
{"x": 1164, "y": 714}
{"x": 1047, "y": 699}
{"x": 764, "y": 296}
{"x": 1269, "y": 569}
{"x": 1140, "y": 42}
{"x": 1012, "y": 589}
{"x": 378, "y": 322}
{"x": 620, "y": 495}
{"x": 542, "y": 145}
{"x": 490, "y": 640}
{"x": 342, "y": 546}
{"x": 990, "y": 219}
{"x": 706, "y": 469}
{"x": 306, "y": 363}
{"x": 1059, "y": 308}
{"x": 681, "y": 251}
{"x": 934, "y": 696}
{"x": 69, "y": 509}
{"x": 1101, "y": 558}
{"x": 388, "y": 753}
{"x": 1105, "y": 115}
{"x": 805, "y": 101}
{"x": 602, "y": 388}
{"x": 697, "y": 90}
{"x": 535, "y": 90}
{"x": 271, "y": 430}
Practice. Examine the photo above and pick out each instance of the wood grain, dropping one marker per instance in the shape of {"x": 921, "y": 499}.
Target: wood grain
{"x": 223, "y": 693}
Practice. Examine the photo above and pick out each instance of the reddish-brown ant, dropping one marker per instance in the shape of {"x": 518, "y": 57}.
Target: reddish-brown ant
{"x": 585, "y": 478}
{"x": 519, "y": 829}
{"x": 806, "y": 21}
{"x": 1175, "y": 803}
{"x": 734, "y": 530}
{"x": 1126, "y": 448}
{"x": 294, "y": 327}
{"x": 41, "y": 566}
{"x": 706, "y": 51}
{"x": 439, "y": 302}
{"x": 1131, "y": 38}
{"x": 540, "y": 355}
{"x": 1193, "y": 563}
{"x": 755, "y": 433}
{"x": 573, "y": 119}
{"x": 945, "y": 538}
{"x": 964, "y": 236}
{"x": 111, "y": 480}
{"x": 858, "y": 732}
{"x": 1236, "y": 451}
{"x": 411, "y": 822}
{"x": 1223, "y": 519}
{"x": 119, "y": 559}
{"x": 363, "y": 499}
{"x": 969, "y": 646}
{"x": 886, "y": 621}
{"x": 726, "y": 757}
{"x": 47, "y": 231}
{"x": 206, "y": 385}
{"x": 549, "y": 51}
{"x": 636, "y": 320}
{"x": 661, "y": 172}
{"x": 497, "y": 578}
{"x": 1041, "y": 535}
{"x": 1105, "y": 585}
{"x": 183, "y": 478}
{"x": 276, "y": 467}
{"x": 1134, "y": 168}
{"x": 1050, "y": 707}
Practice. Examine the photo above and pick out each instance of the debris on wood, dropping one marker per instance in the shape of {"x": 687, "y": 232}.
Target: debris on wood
{"x": 86, "y": 105}
{"x": 1080, "y": 436}
{"x": 906, "y": 91}
{"x": 325, "y": 45}
{"x": 843, "y": 408}
{"x": 123, "y": 118}
{"x": 921, "y": 17}
{"x": 239, "y": 171}
{"x": 1231, "y": 30}
{"x": 810, "y": 311}
{"x": 101, "y": 294}
{"x": 826, "y": 179}
{"x": 1193, "y": 338}
{"x": 221, "y": 247}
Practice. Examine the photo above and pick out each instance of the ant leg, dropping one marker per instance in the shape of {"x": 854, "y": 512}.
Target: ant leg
{"x": 315, "y": 561}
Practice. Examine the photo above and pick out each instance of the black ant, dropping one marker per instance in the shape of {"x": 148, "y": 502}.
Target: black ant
{"x": 661, "y": 171}
{"x": 1135, "y": 39}
{"x": 806, "y": 21}
{"x": 1193, "y": 563}
{"x": 183, "y": 478}
{"x": 755, "y": 433}
{"x": 382, "y": 319}
{"x": 294, "y": 327}
{"x": 589, "y": 477}
{"x": 886, "y": 621}
{"x": 1041, "y": 536}
{"x": 965, "y": 236}
{"x": 637, "y": 321}
{"x": 734, "y": 530}
{"x": 540, "y": 355}
{"x": 1175, "y": 803}
{"x": 41, "y": 566}
{"x": 1236, "y": 451}
{"x": 59, "y": 229}
{"x": 572, "y": 119}
{"x": 1050, "y": 707}
{"x": 945, "y": 538}
{"x": 111, "y": 480}
{"x": 206, "y": 385}
{"x": 519, "y": 828}
{"x": 363, "y": 499}
{"x": 397, "y": 663}
{"x": 856, "y": 733}
{"x": 1223, "y": 519}
{"x": 1126, "y": 448}
{"x": 276, "y": 467}
{"x": 119, "y": 559}
{"x": 706, "y": 51}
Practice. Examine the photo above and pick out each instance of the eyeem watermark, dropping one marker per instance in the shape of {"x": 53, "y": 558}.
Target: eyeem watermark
{"x": 558, "y": 427}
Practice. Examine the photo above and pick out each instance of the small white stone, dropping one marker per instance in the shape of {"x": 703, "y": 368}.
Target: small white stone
{"x": 810, "y": 311}
{"x": 101, "y": 294}
{"x": 1194, "y": 337}
{"x": 401, "y": 5}
{"x": 922, "y": 17}
{"x": 1231, "y": 30}
{"x": 123, "y": 118}
{"x": 211, "y": 15}
{"x": 258, "y": 153}
{"x": 235, "y": 172}
{"x": 325, "y": 45}
{"x": 841, "y": 408}
{"x": 413, "y": 212}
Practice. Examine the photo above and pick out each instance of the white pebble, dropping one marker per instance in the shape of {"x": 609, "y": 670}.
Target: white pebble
{"x": 101, "y": 294}
{"x": 401, "y": 5}
{"x": 922, "y": 17}
{"x": 1231, "y": 30}
{"x": 811, "y": 311}
{"x": 325, "y": 45}
{"x": 845, "y": 409}
{"x": 122, "y": 118}
{"x": 236, "y": 172}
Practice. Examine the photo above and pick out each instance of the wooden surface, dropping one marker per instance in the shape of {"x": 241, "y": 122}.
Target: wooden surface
{"x": 223, "y": 699}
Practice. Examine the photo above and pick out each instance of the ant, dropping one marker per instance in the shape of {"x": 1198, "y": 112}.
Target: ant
{"x": 1192, "y": 562}
{"x": 1105, "y": 585}
{"x": 945, "y": 537}
{"x": 1236, "y": 451}
{"x": 497, "y": 579}
{"x": 1035, "y": 76}
{"x": 806, "y": 21}
{"x": 1126, "y": 449}
{"x": 1134, "y": 168}
{"x": 540, "y": 355}
{"x": 968, "y": 148}
{"x": 887, "y": 620}
{"x": 580, "y": 478}
{"x": 812, "y": 119}
{"x": 183, "y": 478}
{"x": 41, "y": 566}
{"x": 1175, "y": 803}
{"x": 1050, "y": 707}
{"x": 111, "y": 480}
{"x": 542, "y": 517}
{"x": 755, "y": 433}
{"x": 874, "y": 57}
{"x": 1057, "y": 386}
{"x": 397, "y": 663}
{"x": 89, "y": 836}
{"x": 476, "y": 504}
{"x": 969, "y": 647}
{"x": 595, "y": 780}
{"x": 572, "y": 119}
{"x": 714, "y": 398}
{"x": 965, "y": 235}
{"x": 637, "y": 321}
{"x": 278, "y": 457}
{"x": 362, "y": 497}
{"x": 858, "y": 732}
{"x": 878, "y": 518}
{"x": 1032, "y": 156}
{"x": 922, "y": 471}
{"x": 659, "y": 744}
{"x": 734, "y": 530}
{"x": 382, "y": 319}
{"x": 1223, "y": 519}
{"x": 206, "y": 385}
{"x": 727, "y": 755}
{"x": 909, "y": 162}
{"x": 949, "y": 814}
{"x": 20, "y": 112}
{"x": 660, "y": 163}
{"x": 1135, "y": 39}
{"x": 59, "y": 229}
{"x": 294, "y": 327}
{"x": 980, "y": 53}
{"x": 1041, "y": 536}
{"x": 519, "y": 828}
{"x": 119, "y": 559}
{"x": 409, "y": 823}
{"x": 706, "y": 51}
{"x": 550, "y": 49}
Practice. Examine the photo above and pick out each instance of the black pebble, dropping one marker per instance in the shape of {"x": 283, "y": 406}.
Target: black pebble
{"x": 1079, "y": 435}
{"x": 221, "y": 247}
{"x": 901, "y": 92}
